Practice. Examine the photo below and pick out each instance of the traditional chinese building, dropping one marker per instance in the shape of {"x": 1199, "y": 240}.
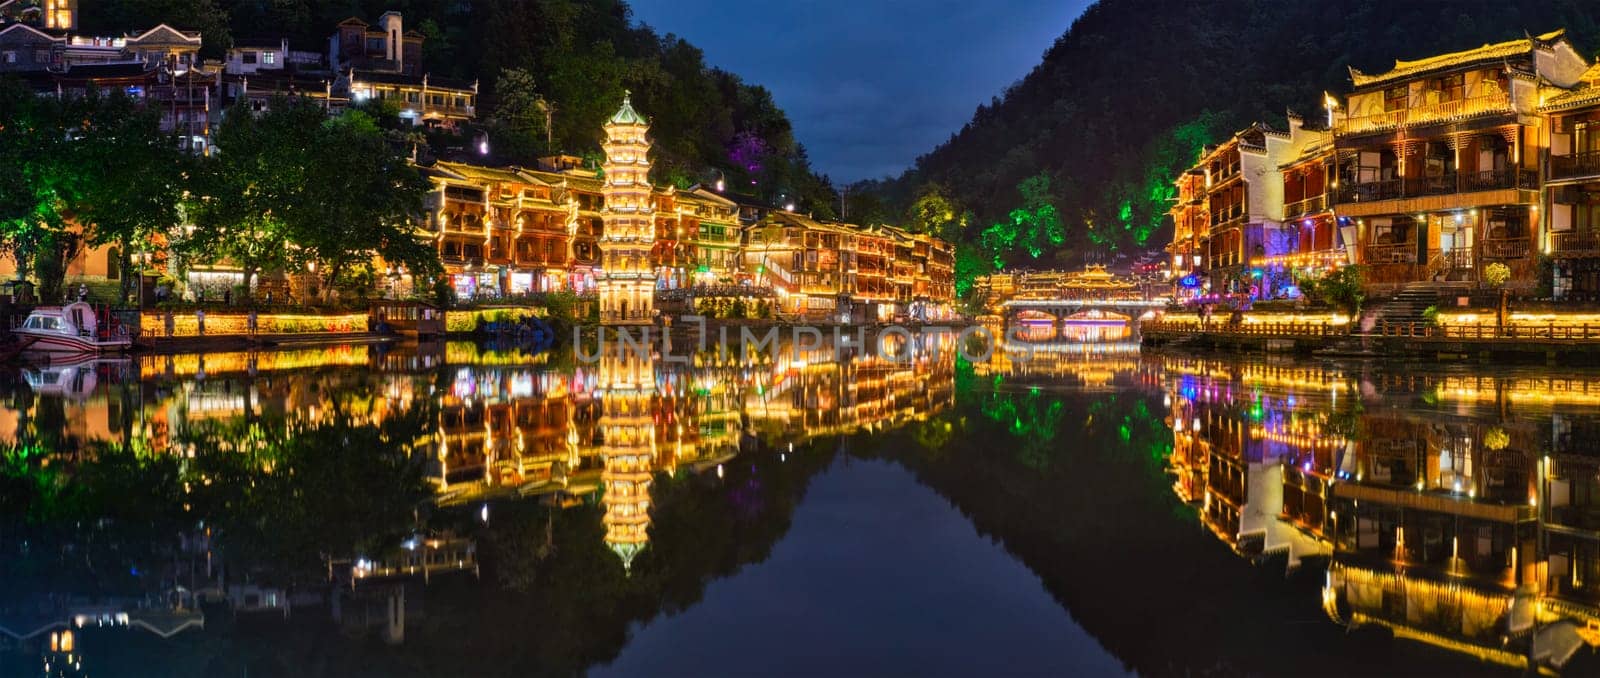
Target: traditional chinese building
{"x": 1439, "y": 159}
{"x": 627, "y": 279}
{"x": 1191, "y": 220}
{"x": 1572, "y": 188}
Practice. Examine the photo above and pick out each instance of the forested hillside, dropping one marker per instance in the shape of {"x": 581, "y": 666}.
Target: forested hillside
{"x": 577, "y": 57}
{"x": 1124, "y": 99}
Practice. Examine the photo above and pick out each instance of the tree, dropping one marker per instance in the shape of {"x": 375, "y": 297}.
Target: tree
{"x": 43, "y": 176}
{"x": 936, "y": 213}
{"x": 1031, "y": 228}
{"x": 348, "y": 156}
{"x": 241, "y": 196}
{"x": 1345, "y": 288}
{"x": 521, "y": 120}
{"x": 134, "y": 176}
{"x": 93, "y": 167}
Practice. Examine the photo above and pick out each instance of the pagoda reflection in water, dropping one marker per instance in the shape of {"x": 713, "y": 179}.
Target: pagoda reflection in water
{"x": 509, "y": 425}
{"x": 1451, "y": 509}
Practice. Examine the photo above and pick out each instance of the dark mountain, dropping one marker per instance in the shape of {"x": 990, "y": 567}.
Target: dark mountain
{"x": 1129, "y": 93}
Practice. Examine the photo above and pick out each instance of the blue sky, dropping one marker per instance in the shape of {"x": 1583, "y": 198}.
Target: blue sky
{"x": 870, "y": 85}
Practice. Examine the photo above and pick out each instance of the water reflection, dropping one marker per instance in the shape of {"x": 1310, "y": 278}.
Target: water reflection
{"x": 336, "y": 476}
{"x": 418, "y": 502}
{"x": 1454, "y": 505}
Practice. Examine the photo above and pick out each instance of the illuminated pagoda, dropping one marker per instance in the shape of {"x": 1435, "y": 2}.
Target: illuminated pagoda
{"x": 629, "y": 450}
{"x": 627, "y": 282}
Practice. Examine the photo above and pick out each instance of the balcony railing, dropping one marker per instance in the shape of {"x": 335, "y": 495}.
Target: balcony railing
{"x": 1443, "y": 184}
{"x": 1221, "y": 217}
{"x": 1397, "y": 253}
{"x": 1312, "y": 204}
{"x": 1423, "y": 115}
{"x": 1575, "y": 242}
{"x": 1506, "y": 248}
{"x": 1582, "y": 164}
{"x": 1458, "y": 259}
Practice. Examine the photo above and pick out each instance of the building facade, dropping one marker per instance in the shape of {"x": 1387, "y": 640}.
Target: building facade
{"x": 1439, "y": 160}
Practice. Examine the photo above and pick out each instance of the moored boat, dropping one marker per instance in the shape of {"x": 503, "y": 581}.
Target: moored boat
{"x": 74, "y": 328}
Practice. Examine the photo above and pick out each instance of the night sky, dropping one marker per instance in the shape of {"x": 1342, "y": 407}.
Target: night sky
{"x": 870, "y": 84}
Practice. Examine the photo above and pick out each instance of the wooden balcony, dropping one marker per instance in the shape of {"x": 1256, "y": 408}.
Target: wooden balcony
{"x": 1444, "y": 184}
{"x": 1396, "y": 253}
{"x": 1506, "y": 248}
{"x": 1223, "y": 218}
{"x": 1310, "y": 205}
{"x": 1448, "y": 111}
{"x": 1575, "y": 243}
{"x": 1585, "y": 164}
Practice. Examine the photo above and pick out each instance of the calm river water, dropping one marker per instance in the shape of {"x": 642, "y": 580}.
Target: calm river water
{"x": 1071, "y": 506}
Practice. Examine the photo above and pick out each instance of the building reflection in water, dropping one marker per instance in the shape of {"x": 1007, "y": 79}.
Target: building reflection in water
{"x": 1455, "y": 510}
{"x": 509, "y": 425}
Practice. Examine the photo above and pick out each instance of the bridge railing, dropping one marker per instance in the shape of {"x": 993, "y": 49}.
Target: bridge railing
{"x": 1518, "y": 332}
{"x": 1288, "y": 329}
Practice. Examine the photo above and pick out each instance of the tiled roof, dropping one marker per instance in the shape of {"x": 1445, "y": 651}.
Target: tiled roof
{"x": 626, "y": 115}
{"x": 125, "y": 69}
{"x": 387, "y": 78}
{"x": 1490, "y": 52}
{"x": 1586, "y": 92}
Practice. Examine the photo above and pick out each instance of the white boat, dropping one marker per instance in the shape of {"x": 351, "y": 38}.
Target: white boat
{"x": 74, "y": 328}
{"x": 77, "y": 379}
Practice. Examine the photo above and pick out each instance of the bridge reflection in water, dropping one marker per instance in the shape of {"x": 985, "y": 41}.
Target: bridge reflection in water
{"x": 1458, "y": 510}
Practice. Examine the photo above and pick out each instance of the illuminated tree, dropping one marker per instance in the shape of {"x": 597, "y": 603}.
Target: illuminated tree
{"x": 1030, "y": 228}
{"x": 1344, "y": 287}
{"x": 936, "y": 213}
{"x": 43, "y": 177}
{"x": 240, "y": 196}
{"x": 134, "y": 180}
{"x": 349, "y": 156}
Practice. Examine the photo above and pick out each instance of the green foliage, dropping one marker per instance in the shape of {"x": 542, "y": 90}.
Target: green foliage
{"x": 1030, "y": 228}
{"x": 94, "y": 161}
{"x": 289, "y": 176}
{"x": 520, "y": 116}
{"x": 1344, "y": 288}
{"x": 1431, "y": 315}
{"x": 935, "y": 213}
{"x": 1496, "y": 274}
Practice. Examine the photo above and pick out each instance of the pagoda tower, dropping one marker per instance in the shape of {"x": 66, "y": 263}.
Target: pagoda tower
{"x": 627, "y": 282}
{"x": 627, "y": 382}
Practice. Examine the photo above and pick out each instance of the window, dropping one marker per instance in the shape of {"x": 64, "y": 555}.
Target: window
{"x": 247, "y": 57}
{"x": 1586, "y": 216}
{"x": 269, "y": 58}
{"x": 1453, "y": 87}
{"x": 9, "y": 57}
{"x": 1394, "y": 99}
